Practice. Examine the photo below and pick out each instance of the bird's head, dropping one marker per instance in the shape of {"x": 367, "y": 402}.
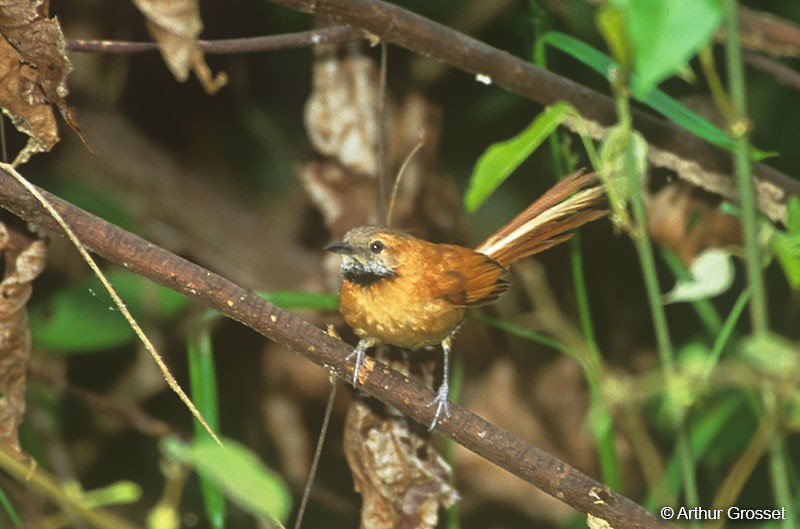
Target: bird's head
{"x": 370, "y": 253}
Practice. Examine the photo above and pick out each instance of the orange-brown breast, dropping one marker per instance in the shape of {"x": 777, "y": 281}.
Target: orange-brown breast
{"x": 426, "y": 299}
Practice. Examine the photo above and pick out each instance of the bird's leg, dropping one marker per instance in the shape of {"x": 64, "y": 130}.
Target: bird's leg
{"x": 441, "y": 403}
{"x": 359, "y": 353}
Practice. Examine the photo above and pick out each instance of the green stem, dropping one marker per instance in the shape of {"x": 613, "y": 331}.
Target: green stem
{"x": 665, "y": 350}
{"x": 739, "y": 128}
{"x": 779, "y": 471}
{"x": 759, "y": 317}
{"x": 593, "y": 371}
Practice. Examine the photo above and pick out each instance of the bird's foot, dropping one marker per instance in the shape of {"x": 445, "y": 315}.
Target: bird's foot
{"x": 358, "y": 353}
{"x": 441, "y": 403}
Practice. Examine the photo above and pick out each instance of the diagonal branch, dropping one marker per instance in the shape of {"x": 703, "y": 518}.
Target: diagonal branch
{"x": 494, "y": 444}
{"x": 301, "y": 39}
{"x": 691, "y": 158}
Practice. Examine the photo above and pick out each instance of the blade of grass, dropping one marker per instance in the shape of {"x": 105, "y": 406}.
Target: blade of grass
{"x": 9, "y": 510}
{"x": 522, "y": 332}
{"x": 657, "y": 99}
{"x": 726, "y": 332}
{"x": 704, "y": 431}
{"x": 203, "y": 386}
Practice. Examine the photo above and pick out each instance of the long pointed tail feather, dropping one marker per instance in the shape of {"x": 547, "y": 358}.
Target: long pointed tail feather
{"x": 572, "y": 202}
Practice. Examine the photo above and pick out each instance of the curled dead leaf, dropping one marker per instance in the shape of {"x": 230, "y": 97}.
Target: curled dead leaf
{"x": 176, "y": 26}
{"x": 341, "y": 114}
{"x": 34, "y": 68}
{"x": 24, "y": 256}
{"x": 688, "y": 220}
{"x": 402, "y": 479}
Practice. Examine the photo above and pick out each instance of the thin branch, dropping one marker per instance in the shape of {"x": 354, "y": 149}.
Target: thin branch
{"x": 768, "y": 33}
{"x": 694, "y": 160}
{"x": 286, "y": 41}
{"x": 47, "y": 486}
{"x": 130, "y": 416}
{"x": 782, "y": 74}
{"x": 494, "y": 444}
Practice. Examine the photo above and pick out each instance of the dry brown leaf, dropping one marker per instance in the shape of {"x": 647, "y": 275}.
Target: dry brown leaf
{"x": 34, "y": 66}
{"x": 176, "y": 26}
{"x": 341, "y": 114}
{"x": 31, "y": 115}
{"x": 402, "y": 479}
{"x": 343, "y": 199}
{"x": 343, "y": 124}
{"x": 24, "y": 256}
{"x": 687, "y": 221}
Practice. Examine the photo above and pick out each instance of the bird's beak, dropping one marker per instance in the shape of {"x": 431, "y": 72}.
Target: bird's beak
{"x": 341, "y": 248}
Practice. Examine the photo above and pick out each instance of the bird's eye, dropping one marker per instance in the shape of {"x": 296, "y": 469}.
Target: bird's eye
{"x": 376, "y": 246}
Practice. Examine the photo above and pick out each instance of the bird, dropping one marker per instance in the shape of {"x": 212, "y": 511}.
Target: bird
{"x": 404, "y": 291}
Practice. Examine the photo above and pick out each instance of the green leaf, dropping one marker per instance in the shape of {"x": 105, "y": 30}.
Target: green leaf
{"x": 712, "y": 273}
{"x": 786, "y": 244}
{"x": 501, "y": 159}
{"x": 163, "y": 516}
{"x": 82, "y": 318}
{"x": 656, "y": 99}
{"x": 611, "y": 24}
{"x": 787, "y": 250}
{"x": 96, "y": 202}
{"x": 771, "y": 354}
{"x": 621, "y": 147}
{"x": 793, "y": 216}
{"x": 293, "y": 300}
{"x": 118, "y": 493}
{"x": 704, "y": 435}
{"x": 665, "y": 34}
{"x": 238, "y": 472}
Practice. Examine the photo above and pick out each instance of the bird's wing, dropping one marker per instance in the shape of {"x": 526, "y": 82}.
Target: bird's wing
{"x": 467, "y": 278}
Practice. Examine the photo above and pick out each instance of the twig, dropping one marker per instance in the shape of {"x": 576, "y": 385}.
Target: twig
{"x": 488, "y": 441}
{"x": 779, "y": 72}
{"x": 131, "y": 416}
{"x": 670, "y": 146}
{"x": 768, "y": 33}
{"x": 49, "y": 487}
{"x": 302, "y": 39}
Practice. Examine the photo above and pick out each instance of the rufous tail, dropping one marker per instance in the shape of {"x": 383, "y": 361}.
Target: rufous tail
{"x": 570, "y": 203}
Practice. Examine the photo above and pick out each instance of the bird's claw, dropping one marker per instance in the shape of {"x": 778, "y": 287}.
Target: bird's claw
{"x": 441, "y": 403}
{"x": 358, "y": 353}
{"x": 359, "y": 359}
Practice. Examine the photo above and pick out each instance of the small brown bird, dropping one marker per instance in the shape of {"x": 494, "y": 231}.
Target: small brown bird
{"x": 411, "y": 293}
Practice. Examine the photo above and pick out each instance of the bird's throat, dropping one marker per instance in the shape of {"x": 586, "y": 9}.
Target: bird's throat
{"x": 366, "y": 278}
